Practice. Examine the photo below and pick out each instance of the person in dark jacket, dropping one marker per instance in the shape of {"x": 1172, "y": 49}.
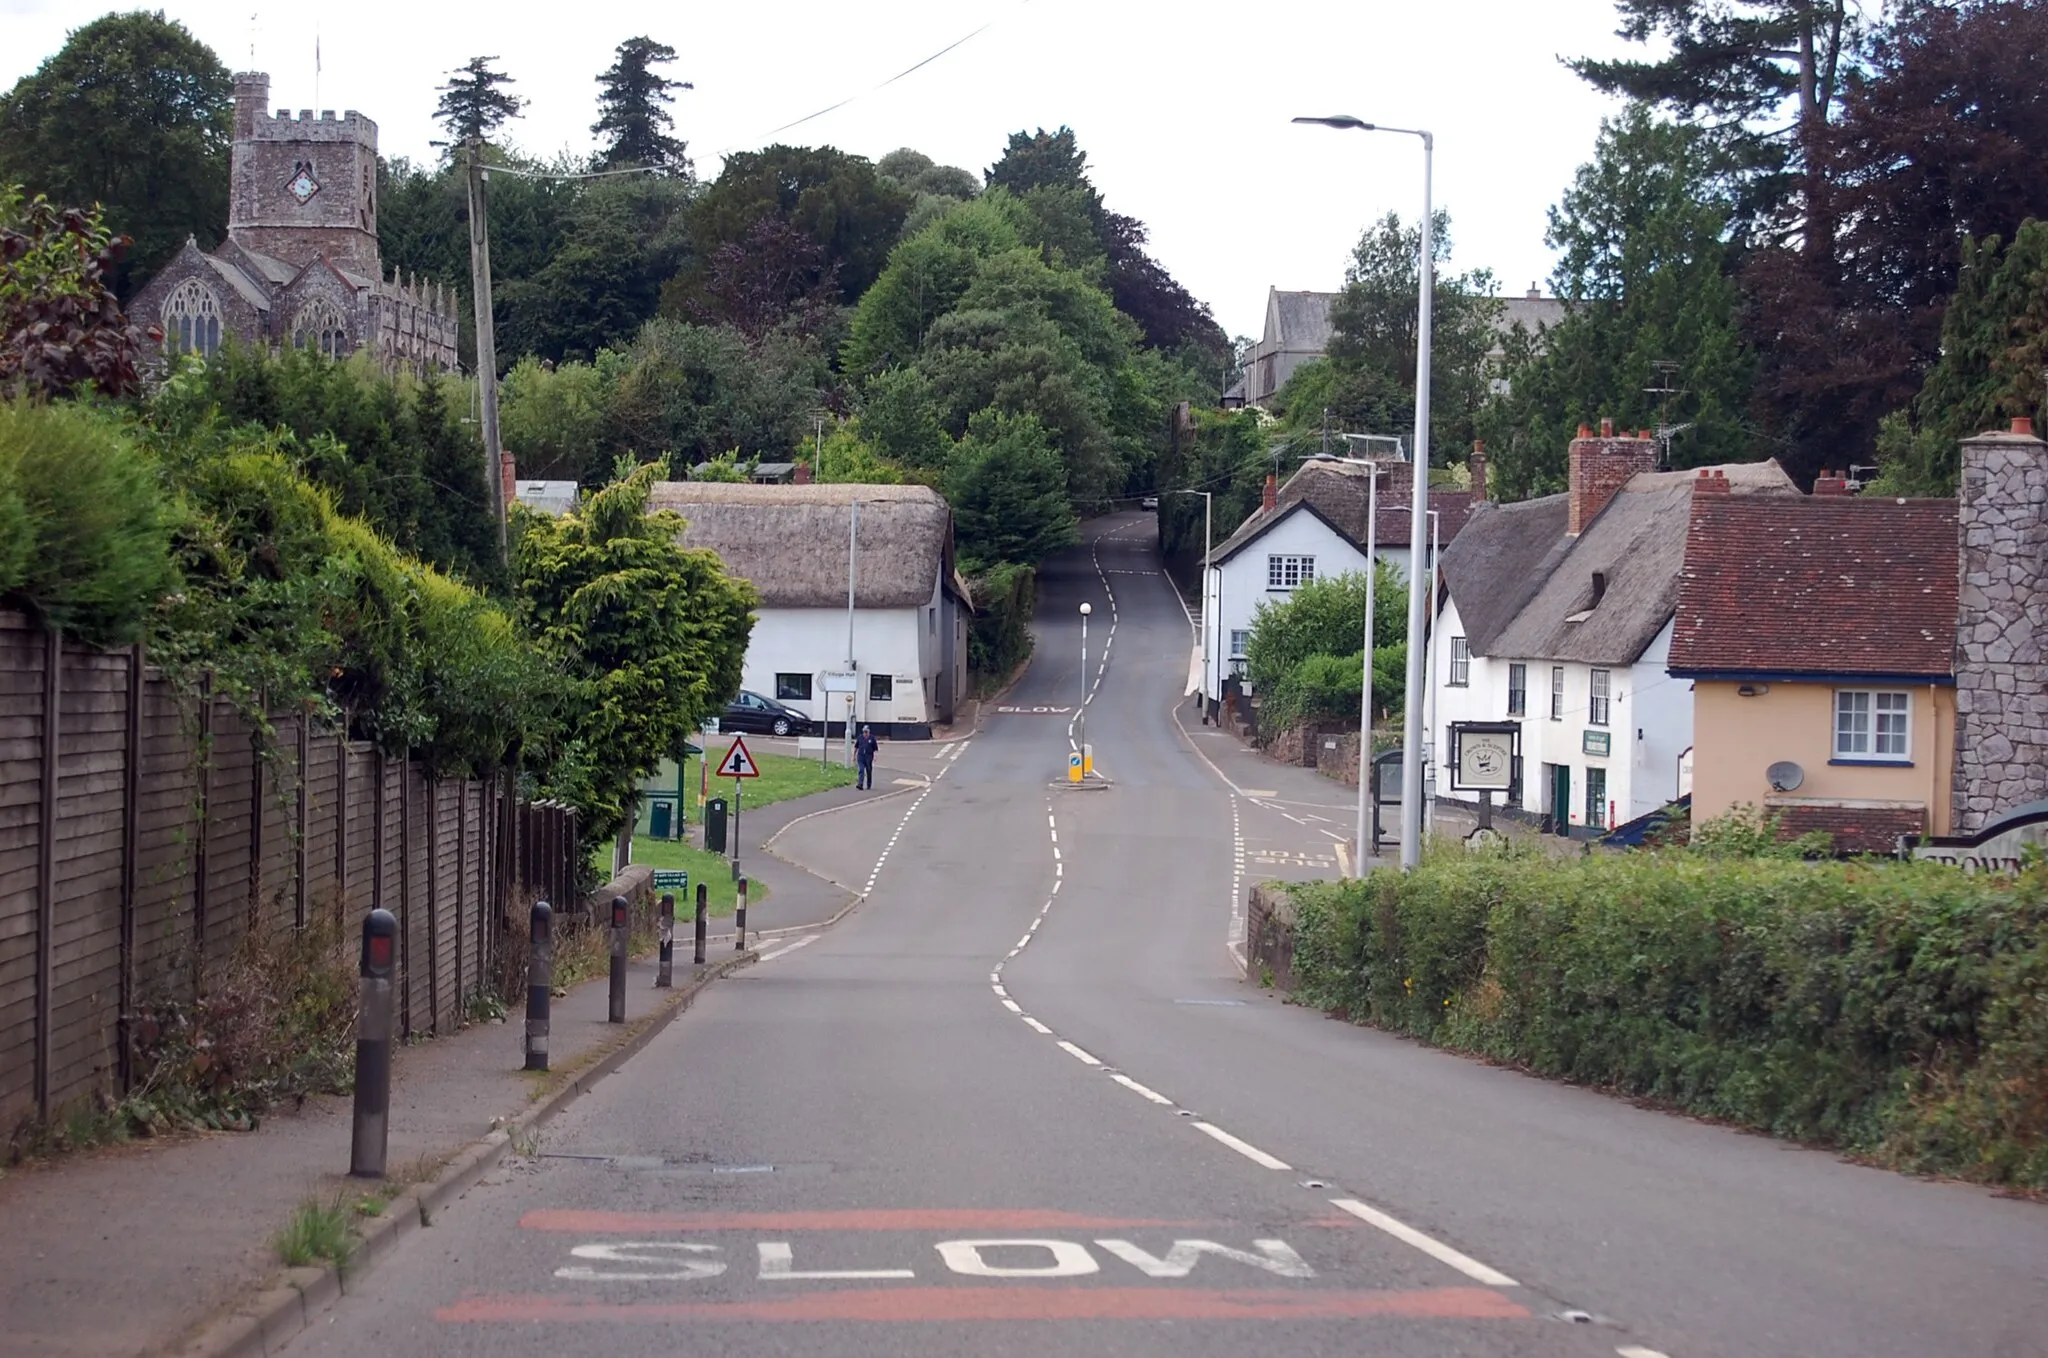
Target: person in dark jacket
{"x": 864, "y": 752}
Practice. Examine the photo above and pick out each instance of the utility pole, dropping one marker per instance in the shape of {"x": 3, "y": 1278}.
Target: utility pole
{"x": 486, "y": 343}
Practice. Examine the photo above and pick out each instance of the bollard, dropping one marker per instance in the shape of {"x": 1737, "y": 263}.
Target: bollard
{"x": 703, "y": 914}
{"x": 372, "y": 1135}
{"x": 621, "y": 924}
{"x": 739, "y": 919}
{"x": 665, "y": 973}
{"x": 540, "y": 979}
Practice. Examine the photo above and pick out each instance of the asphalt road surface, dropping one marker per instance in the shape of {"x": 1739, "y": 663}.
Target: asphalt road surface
{"x": 1019, "y": 1102}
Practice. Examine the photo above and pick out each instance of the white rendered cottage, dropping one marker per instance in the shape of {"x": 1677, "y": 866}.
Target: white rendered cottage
{"x": 910, "y": 609}
{"x": 1556, "y": 614}
{"x": 1312, "y": 527}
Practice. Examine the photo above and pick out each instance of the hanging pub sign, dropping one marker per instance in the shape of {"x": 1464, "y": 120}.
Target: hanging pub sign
{"x": 1484, "y": 755}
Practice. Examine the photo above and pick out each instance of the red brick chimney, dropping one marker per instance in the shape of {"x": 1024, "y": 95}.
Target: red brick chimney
{"x": 802, "y": 475}
{"x": 1600, "y": 467}
{"x": 1272, "y": 490}
{"x": 1711, "y": 482}
{"x": 1830, "y": 483}
{"x": 1478, "y": 469}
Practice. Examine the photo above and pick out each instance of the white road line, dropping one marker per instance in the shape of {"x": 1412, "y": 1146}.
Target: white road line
{"x": 1140, "y": 1090}
{"x": 1632, "y": 1351}
{"x": 1429, "y": 1245}
{"x": 803, "y": 942}
{"x": 1079, "y": 1055}
{"x": 1036, "y": 1025}
{"x": 1013, "y": 1006}
{"x": 1244, "y": 1148}
{"x": 998, "y": 988}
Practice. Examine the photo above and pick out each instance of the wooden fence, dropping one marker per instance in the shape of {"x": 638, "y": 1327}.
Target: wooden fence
{"x": 145, "y": 838}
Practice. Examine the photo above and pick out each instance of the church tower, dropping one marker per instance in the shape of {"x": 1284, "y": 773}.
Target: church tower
{"x": 303, "y": 188}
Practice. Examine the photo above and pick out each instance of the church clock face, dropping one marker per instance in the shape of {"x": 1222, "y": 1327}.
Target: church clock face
{"x": 302, "y": 185}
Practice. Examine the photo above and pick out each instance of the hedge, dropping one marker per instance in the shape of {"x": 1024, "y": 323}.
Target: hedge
{"x": 1896, "y": 1011}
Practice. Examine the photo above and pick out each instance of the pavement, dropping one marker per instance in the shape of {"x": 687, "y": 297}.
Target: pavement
{"x": 1021, "y": 1102}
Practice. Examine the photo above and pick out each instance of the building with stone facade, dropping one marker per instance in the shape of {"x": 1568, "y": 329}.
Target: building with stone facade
{"x": 300, "y": 263}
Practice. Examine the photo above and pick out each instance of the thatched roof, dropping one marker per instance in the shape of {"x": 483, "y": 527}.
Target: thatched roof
{"x": 1636, "y": 545}
{"x": 1500, "y": 560}
{"x": 1337, "y": 493}
{"x": 790, "y": 541}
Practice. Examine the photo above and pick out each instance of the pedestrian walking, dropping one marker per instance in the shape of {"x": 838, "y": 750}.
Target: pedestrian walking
{"x": 864, "y": 753}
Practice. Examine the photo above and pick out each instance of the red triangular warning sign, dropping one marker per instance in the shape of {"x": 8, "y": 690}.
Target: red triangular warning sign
{"x": 738, "y": 763}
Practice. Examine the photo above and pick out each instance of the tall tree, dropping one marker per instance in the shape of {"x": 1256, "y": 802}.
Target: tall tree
{"x": 475, "y": 103}
{"x": 1994, "y": 352}
{"x": 632, "y": 109}
{"x": 1041, "y": 159}
{"x": 1008, "y": 490}
{"x": 1764, "y": 74}
{"x": 1646, "y": 265}
{"x": 849, "y": 212}
{"x": 134, "y": 114}
{"x": 1368, "y": 381}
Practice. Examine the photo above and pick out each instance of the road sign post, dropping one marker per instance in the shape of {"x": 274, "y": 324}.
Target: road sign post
{"x": 739, "y": 766}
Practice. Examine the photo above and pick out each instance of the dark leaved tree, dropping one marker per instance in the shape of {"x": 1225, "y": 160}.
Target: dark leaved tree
{"x": 474, "y": 102}
{"x": 133, "y": 114}
{"x": 62, "y": 332}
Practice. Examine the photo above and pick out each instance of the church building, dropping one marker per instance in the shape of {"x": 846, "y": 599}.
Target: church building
{"x": 300, "y": 263}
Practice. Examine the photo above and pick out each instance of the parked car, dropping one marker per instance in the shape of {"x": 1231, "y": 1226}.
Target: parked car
{"x": 1149, "y": 502}
{"x": 752, "y": 712}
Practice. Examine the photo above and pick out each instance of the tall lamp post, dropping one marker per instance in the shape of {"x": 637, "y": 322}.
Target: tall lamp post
{"x": 1081, "y": 712}
{"x": 1209, "y": 624}
{"x": 1411, "y": 752}
{"x": 1372, "y": 546}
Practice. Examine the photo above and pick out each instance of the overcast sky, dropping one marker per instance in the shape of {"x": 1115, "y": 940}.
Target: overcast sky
{"x": 1181, "y": 105}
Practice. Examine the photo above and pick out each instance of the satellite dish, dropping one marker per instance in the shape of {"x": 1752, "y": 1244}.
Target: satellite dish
{"x": 1785, "y": 776}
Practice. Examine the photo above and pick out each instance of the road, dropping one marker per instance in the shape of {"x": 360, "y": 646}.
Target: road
{"x": 1019, "y": 1102}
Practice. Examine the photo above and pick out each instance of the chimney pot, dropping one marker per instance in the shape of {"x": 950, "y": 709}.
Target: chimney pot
{"x": 802, "y": 475}
{"x": 2023, "y": 424}
{"x": 1477, "y": 466}
{"x": 1272, "y": 496}
{"x": 1606, "y": 428}
{"x": 1585, "y": 430}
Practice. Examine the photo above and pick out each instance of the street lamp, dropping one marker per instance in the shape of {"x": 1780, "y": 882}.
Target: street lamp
{"x": 1209, "y": 624}
{"x": 1429, "y": 651}
{"x": 1081, "y": 712}
{"x": 1411, "y": 754}
{"x": 1372, "y": 570}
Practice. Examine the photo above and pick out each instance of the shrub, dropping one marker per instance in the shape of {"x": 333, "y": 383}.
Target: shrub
{"x": 90, "y": 536}
{"x": 999, "y": 637}
{"x": 1886, "y": 1008}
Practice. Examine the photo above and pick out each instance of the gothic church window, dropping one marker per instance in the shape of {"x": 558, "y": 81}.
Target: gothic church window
{"x": 191, "y": 318}
{"x": 320, "y": 326}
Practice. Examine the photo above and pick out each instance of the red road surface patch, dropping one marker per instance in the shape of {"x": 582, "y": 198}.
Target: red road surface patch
{"x": 954, "y": 1304}
{"x": 889, "y": 1219}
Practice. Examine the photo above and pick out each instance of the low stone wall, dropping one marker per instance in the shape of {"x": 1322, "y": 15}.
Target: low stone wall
{"x": 636, "y": 884}
{"x": 1269, "y": 935}
{"x": 1337, "y": 756}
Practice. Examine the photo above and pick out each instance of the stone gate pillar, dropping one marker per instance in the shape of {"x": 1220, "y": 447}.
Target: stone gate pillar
{"x": 2001, "y": 662}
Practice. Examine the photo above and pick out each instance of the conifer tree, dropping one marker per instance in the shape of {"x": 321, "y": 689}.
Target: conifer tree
{"x": 631, "y": 109}
{"x": 474, "y": 104}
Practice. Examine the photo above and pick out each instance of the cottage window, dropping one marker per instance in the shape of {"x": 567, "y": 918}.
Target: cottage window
{"x": 793, "y": 688}
{"x": 1596, "y": 707}
{"x": 1557, "y": 693}
{"x": 1289, "y": 572}
{"x": 1461, "y": 663}
{"x": 1518, "y": 690}
{"x": 1240, "y": 642}
{"x": 1873, "y": 725}
{"x": 191, "y": 318}
{"x": 881, "y": 687}
{"x": 1596, "y": 796}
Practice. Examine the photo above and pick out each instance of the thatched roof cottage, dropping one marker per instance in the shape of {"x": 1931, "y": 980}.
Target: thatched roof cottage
{"x": 906, "y": 642}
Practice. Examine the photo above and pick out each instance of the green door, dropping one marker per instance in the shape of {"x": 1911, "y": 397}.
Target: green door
{"x": 1561, "y": 797}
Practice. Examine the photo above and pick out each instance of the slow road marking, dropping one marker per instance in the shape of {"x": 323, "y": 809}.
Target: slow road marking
{"x": 966, "y": 1304}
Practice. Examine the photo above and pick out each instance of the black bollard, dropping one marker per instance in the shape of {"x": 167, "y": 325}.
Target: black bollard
{"x": 372, "y": 1134}
{"x": 739, "y": 919}
{"x": 621, "y": 924}
{"x": 540, "y": 979}
{"x": 703, "y": 918}
{"x": 665, "y": 973}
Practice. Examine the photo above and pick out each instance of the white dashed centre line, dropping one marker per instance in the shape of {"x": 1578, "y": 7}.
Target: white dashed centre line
{"x": 1429, "y": 1245}
{"x": 1244, "y": 1148}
